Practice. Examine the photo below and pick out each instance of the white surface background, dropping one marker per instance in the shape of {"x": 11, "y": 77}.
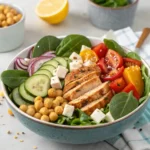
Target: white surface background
{"x": 76, "y": 22}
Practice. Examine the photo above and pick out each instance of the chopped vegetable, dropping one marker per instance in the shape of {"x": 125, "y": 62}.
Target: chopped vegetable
{"x": 113, "y": 59}
{"x": 117, "y": 85}
{"x": 100, "y": 50}
{"x": 111, "y": 44}
{"x": 113, "y": 74}
{"x": 47, "y": 43}
{"x": 131, "y": 62}
{"x": 122, "y": 104}
{"x": 133, "y": 55}
{"x": 72, "y": 43}
{"x": 133, "y": 75}
{"x": 130, "y": 87}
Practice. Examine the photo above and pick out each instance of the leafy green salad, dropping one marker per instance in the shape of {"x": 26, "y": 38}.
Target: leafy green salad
{"x": 69, "y": 81}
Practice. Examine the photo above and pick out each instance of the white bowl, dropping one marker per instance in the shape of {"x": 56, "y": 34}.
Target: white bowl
{"x": 12, "y": 36}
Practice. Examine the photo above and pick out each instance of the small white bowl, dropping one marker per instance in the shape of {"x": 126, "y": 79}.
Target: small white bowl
{"x": 12, "y": 36}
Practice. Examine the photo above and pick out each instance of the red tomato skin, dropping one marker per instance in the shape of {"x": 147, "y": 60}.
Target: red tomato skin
{"x": 117, "y": 85}
{"x": 131, "y": 87}
{"x": 131, "y": 62}
{"x": 113, "y": 59}
{"x": 102, "y": 65}
{"x": 118, "y": 74}
{"x": 100, "y": 50}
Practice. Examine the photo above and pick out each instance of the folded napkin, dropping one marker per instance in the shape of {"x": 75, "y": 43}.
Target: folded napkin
{"x": 137, "y": 137}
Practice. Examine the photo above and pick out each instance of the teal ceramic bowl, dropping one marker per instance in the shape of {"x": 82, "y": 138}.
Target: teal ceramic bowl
{"x": 73, "y": 134}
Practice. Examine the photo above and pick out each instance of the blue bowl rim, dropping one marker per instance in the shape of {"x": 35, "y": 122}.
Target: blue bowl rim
{"x": 67, "y": 126}
{"x": 111, "y": 8}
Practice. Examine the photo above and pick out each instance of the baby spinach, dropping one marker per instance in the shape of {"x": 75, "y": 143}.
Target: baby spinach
{"x": 111, "y": 44}
{"x": 133, "y": 55}
{"x": 112, "y": 3}
{"x": 146, "y": 80}
{"x": 72, "y": 43}
{"x": 78, "y": 118}
{"x": 122, "y": 104}
{"x": 45, "y": 44}
{"x": 13, "y": 78}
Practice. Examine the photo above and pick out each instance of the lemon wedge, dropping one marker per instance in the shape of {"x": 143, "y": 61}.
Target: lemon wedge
{"x": 52, "y": 11}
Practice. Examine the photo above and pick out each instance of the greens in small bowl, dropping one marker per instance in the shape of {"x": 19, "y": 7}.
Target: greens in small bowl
{"x": 67, "y": 87}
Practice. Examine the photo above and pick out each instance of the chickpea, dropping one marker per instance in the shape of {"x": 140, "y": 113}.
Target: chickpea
{"x": 38, "y": 105}
{"x": 13, "y": 11}
{"x": 23, "y": 108}
{"x": 55, "y": 103}
{"x": 4, "y": 24}
{"x": 59, "y": 110}
{"x": 10, "y": 21}
{"x": 2, "y": 17}
{"x": 0, "y": 23}
{"x": 45, "y": 118}
{"x": 60, "y": 99}
{"x": 31, "y": 106}
{"x": 52, "y": 93}
{"x": 59, "y": 92}
{"x": 19, "y": 16}
{"x": 15, "y": 18}
{"x": 6, "y": 10}
{"x": 38, "y": 98}
{"x": 30, "y": 111}
{"x": 48, "y": 102}
{"x": 37, "y": 115}
{"x": 63, "y": 104}
{"x": 9, "y": 14}
{"x": 44, "y": 111}
{"x": 53, "y": 116}
{"x": 2, "y": 7}
{"x": 50, "y": 110}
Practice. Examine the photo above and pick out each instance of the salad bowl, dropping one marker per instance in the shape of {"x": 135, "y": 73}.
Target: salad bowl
{"x": 74, "y": 134}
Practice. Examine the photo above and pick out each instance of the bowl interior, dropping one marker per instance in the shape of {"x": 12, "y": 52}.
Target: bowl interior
{"x": 24, "y": 54}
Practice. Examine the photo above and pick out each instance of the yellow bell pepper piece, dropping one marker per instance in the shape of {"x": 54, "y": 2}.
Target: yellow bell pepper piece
{"x": 133, "y": 75}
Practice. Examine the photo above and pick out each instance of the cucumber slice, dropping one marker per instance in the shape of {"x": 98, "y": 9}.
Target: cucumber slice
{"x": 68, "y": 62}
{"x": 44, "y": 71}
{"x": 52, "y": 62}
{"x": 25, "y": 95}
{"x": 18, "y": 100}
{"x": 61, "y": 61}
{"x": 10, "y": 96}
{"x": 38, "y": 85}
{"x": 49, "y": 68}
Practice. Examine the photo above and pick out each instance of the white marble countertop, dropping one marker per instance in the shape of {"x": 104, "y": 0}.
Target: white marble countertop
{"x": 76, "y": 22}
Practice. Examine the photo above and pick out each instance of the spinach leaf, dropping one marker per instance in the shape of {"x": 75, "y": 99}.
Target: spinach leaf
{"x": 111, "y": 44}
{"x": 109, "y": 3}
{"x": 47, "y": 43}
{"x": 99, "y": 1}
{"x": 72, "y": 43}
{"x": 146, "y": 80}
{"x": 133, "y": 55}
{"x": 122, "y": 2}
{"x": 13, "y": 78}
{"x": 122, "y": 104}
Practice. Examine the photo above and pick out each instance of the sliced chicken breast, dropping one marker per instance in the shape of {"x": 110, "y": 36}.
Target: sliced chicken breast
{"x": 100, "y": 103}
{"x": 79, "y": 81}
{"x": 82, "y": 88}
{"x": 90, "y": 96}
{"x": 79, "y": 73}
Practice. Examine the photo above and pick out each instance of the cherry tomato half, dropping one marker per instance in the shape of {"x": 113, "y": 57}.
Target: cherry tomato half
{"x": 118, "y": 85}
{"x": 100, "y": 50}
{"x": 113, "y": 59}
{"x": 102, "y": 65}
{"x": 131, "y": 62}
{"x": 131, "y": 87}
{"x": 113, "y": 74}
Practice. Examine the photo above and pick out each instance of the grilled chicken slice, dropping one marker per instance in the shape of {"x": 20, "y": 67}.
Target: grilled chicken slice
{"x": 100, "y": 103}
{"x": 82, "y": 88}
{"x": 79, "y": 81}
{"x": 79, "y": 73}
{"x": 90, "y": 96}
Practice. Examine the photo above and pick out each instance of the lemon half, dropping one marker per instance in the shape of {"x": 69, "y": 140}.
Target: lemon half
{"x": 52, "y": 11}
